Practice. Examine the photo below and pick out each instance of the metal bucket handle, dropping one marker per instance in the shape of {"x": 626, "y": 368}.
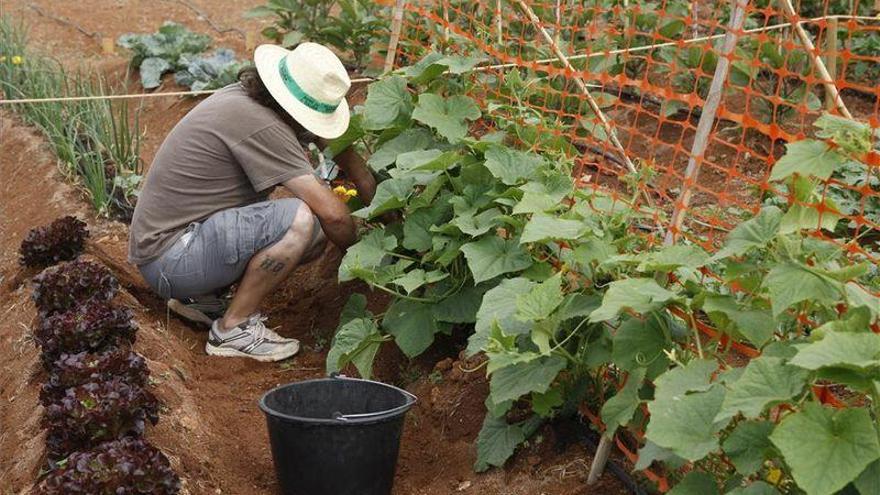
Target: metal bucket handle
{"x": 390, "y": 412}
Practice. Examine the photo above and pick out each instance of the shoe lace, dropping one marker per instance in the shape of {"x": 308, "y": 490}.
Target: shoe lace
{"x": 260, "y": 330}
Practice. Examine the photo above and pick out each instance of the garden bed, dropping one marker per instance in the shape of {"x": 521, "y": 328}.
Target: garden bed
{"x": 210, "y": 420}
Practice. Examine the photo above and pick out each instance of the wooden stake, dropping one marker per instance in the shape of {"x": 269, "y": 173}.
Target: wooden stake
{"x": 396, "y": 25}
{"x": 707, "y": 120}
{"x": 603, "y": 451}
{"x": 876, "y": 6}
{"x": 250, "y": 41}
{"x": 107, "y": 45}
{"x": 499, "y": 23}
{"x": 445, "y": 21}
{"x": 831, "y": 58}
{"x": 582, "y": 86}
{"x": 827, "y": 80}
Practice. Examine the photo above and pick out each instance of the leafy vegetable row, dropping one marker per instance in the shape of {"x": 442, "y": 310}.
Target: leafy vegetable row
{"x": 95, "y": 398}
{"x": 174, "y": 48}
{"x": 570, "y": 299}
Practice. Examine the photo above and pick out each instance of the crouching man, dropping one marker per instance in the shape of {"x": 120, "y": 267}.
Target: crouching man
{"x": 203, "y": 221}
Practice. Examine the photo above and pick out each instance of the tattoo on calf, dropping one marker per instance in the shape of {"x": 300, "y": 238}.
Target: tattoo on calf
{"x": 272, "y": 265}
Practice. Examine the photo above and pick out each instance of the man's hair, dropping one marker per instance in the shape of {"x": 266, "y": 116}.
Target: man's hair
{"x": 254, "y": 87}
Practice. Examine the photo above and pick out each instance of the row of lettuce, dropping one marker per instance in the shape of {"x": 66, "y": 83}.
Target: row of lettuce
{"x": 95, "y": 393}
{"x": 572, "y": 300}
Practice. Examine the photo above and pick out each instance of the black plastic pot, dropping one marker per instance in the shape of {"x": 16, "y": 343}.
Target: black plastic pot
{"x": 335, "y": 436}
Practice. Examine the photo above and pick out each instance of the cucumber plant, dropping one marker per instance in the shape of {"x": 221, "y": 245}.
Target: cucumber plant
{"x": 568, "y": 297}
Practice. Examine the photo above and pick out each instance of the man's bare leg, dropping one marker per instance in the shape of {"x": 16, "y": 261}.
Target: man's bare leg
{"x": 272, "y": 265}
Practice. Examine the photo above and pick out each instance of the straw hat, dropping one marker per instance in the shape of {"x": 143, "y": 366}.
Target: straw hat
{"x": 310, "y": 83}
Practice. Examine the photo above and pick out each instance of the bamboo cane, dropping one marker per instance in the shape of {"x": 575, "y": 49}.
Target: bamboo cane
{"x": 831, "y": 58}
{"x": 707, "y": 119}
{"x": 827, "y": 80}
{"x": 579, "y": 82}
{"x": 396, "y": 25}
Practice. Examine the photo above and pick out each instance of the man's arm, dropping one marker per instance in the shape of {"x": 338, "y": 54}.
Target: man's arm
{"x": 333, "y": 214}
{"x": 356, "y": 169}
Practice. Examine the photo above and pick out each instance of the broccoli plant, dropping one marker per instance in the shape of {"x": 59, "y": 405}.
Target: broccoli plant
{"x": 62, "y": 240}
{"x": 157, "y": 53}
{"x": 200, "y": 72}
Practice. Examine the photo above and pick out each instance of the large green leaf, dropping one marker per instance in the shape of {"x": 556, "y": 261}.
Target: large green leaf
{"x": 543, "y": 227}
{"x": 748, "y": 445}
{"x": 869, "y": 481}
{"x": 673, "y": 257}
{"x": 756, "y": 325}
{"x": 427, "y": 160}
{"x": 756, "y": 488}
{"x": 388, "y": 101}
{"x": 755, "y": 232}
{"x": 417, "y": 277}
{"x": 808, "y": 158}
{"x": 855, "y": 351}
{"x": 541, "y": 301}
{"x": 790, "y": 283}
{"x": 641, "y": 295}
{"x": 545, "y": 194}
{"x": 368, "y": 253}
{"x": 357, "y": 342}
{"x": 767, "y": 381}
{"x": 512, "y": 382}
{"x": 640, "y": 343}
{"x": 412, "y": 324}
{"x": 390, "y": 195}
{"x": 407, "y": 141}
{"x": 492, "y": 256}
{"x": 496, "y": 442}
{"x": 476, "y": 224}
{"x": 619, "y": 409}
{"x": 695, "y": 376}
{"x": 152, "y": 69}
{"x": 448, "y": 116}
{"x": 460, "y": 307}
{"x": 499, "y": 307}
{"x": 512, "y": 166}
{"x": 417, "y": 233}
{"x": 695, "y": 483}
{"x": 685, "y": 423}
{"x": 825, "y": 448}
{"x": 652, "y": 452}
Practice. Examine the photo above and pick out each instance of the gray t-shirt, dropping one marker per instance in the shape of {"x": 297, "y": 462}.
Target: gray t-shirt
{"x": 228, "y": 151}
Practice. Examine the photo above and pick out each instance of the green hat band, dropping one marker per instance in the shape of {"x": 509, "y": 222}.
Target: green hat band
{"x": 299, "y": 94}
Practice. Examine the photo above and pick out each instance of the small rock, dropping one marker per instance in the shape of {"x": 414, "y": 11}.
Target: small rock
{"x": 464, "y": 485}
{"x": 456, "y": 374}
{"x": 444, "y": 365}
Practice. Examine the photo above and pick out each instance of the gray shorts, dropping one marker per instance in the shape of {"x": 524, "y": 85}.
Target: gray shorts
{"x": 212, "y": 255}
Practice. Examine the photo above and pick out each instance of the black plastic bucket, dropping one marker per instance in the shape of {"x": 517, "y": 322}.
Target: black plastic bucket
{"x": 335, "y": 436}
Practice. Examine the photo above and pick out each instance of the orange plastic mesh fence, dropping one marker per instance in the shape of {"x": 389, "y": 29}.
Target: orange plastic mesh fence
{"x": 649, "y": 67}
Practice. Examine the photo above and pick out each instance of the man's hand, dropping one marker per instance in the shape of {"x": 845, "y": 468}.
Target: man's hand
{"x": 357, "y": 171}
{"x": 333, "y": 214}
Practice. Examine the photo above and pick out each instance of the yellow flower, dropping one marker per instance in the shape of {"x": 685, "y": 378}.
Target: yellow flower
{"x": 17, "y": 60}
{"x": 773, "y": 475}
{"x": 2, "y": 59}
{"x": 340, "y": 190}
{"x": 351, "y": 193}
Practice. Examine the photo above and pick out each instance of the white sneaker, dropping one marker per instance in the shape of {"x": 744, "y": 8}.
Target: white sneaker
{"x": 250, "y": 339}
